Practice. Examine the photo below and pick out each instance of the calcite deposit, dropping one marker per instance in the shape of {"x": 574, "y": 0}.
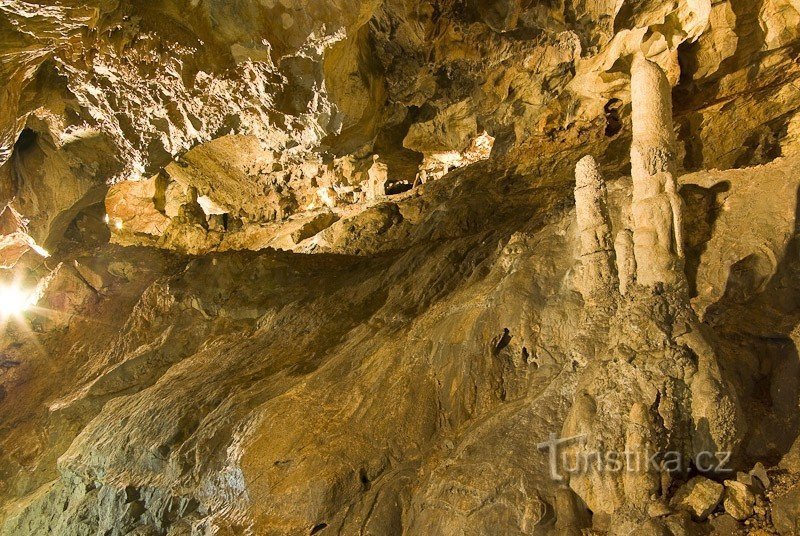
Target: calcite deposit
{"x": 478, "y": 267}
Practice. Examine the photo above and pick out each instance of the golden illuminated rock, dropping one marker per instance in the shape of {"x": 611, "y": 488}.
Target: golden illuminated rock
{"x": 344, "y": 267}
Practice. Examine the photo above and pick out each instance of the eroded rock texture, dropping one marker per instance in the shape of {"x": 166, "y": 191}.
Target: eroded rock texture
{"x": 338, "y": 267}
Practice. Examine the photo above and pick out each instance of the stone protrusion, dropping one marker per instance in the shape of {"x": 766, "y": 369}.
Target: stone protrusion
{"x": 572, "y": 516}
{"x": 656, "y": 207}
{"x": 14, "y": 239}
{"x": 598, "y": 272}
{"x": 377, "y": 176}
{"x": 700, "y": 496}
{"x": 639, "y": 482}
{"x": 626, "y": 260}
{"x": 739, "y": 499}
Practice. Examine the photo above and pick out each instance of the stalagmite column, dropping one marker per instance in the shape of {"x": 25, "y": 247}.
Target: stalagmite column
{"x": 639, "y": 481}
{"x": 598, "y": 273}
{"x": 656, "y": 207}
{"x": 377, "y": 175}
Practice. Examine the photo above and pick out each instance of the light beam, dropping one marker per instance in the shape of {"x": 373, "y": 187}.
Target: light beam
{"x": 14, "y": 300}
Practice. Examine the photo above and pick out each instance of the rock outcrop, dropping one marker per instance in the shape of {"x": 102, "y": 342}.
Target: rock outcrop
{"x": 651, "y": 396}
{"x": 457, "y": 268}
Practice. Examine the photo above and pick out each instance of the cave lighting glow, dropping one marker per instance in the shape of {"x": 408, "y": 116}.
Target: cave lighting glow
{"x": 14, "y": 300}
{"x": 40, "y": 250}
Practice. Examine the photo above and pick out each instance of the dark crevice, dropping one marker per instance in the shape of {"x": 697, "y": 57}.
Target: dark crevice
{"x": 319, "y": 528}
{"x": 613, "y": 121}
{"x": 505, "y": 339}
{"x": 398, "y": 187}
{"x": 364, "y": 479}
{"x": 26, "y": 140}
{"x": 624, "y": 17}
{"x": 763, "y": 145}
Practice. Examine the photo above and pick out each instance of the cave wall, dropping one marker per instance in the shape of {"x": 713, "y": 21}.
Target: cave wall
{"x": 315, "y": 267}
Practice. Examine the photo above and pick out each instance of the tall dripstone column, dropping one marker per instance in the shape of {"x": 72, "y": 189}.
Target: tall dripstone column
{"x": 598, "y": 272}
{"x": 656, "y": 208}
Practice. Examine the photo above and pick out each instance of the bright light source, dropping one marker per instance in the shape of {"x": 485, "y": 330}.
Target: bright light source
{"x": 13, "y": 301}
{"x": 40, "y": 250}
{"x": 106, "y": 219}
{"x": 118, "y": 224}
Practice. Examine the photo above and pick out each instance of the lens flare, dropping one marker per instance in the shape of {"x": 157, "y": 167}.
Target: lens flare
{"x": 13, "y": 301}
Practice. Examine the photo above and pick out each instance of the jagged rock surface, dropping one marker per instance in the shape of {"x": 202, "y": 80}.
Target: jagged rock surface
{"x": 315, "y": 266}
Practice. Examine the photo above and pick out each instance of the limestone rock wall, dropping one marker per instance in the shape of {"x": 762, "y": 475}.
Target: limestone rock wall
{"x": 343, "y": 267}
{"x": 144, "y": 85}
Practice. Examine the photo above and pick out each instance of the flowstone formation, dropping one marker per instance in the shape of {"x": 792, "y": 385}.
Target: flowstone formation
{"x": 651, "y": 399}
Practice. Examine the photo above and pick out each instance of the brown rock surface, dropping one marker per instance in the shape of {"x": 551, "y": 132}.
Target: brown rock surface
{"x": 700, "y": 496}
{"x": 338, "y": 267}
{"x": 786, "y": 513}
{"x": 739, "y": 500}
